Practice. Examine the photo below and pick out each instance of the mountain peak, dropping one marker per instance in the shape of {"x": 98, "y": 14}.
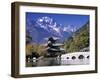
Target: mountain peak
{"x": 45, "y": 19}
{"x": 46, "y": 22}
{"x": 45, "y": 27}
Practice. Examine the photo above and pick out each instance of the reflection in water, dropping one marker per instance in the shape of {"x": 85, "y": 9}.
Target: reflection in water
{"x": 75, "y": 62}
{"x": 56, "y": 61}
{"x": 44, "y": 62}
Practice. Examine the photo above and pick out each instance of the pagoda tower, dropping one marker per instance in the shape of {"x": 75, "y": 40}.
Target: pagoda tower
{"x": 53, "y": 48}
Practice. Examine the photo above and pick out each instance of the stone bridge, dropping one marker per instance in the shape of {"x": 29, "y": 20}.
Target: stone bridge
{"x": 75, "y": 58}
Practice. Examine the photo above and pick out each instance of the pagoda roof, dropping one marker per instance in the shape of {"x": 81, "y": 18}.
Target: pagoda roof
{"x": 58, "y": 44}
{"x": 55, "y": 38}
{"x": 52, "y": 49}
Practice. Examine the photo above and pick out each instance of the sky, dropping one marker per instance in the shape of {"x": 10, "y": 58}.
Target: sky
{"x": 64, "y": 19}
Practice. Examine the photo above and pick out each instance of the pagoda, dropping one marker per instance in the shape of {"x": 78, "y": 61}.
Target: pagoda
{"x": 53, "y": 48}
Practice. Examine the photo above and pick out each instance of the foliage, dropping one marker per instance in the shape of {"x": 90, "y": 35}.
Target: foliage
{"x": 79, "y": 40}
{"x": 36, "y": 48}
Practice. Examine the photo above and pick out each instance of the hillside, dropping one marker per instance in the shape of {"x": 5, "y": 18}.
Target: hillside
{"x": 79, "y": 40}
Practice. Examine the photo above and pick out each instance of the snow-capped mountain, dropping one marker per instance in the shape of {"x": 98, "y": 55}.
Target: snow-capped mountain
{"x": 49, "y": 25}
{"x": 44, "y": 27}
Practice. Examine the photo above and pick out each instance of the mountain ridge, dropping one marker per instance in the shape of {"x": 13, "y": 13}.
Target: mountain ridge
{"x": 45, "y": 27}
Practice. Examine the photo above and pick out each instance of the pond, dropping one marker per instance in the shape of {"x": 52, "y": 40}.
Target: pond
{"x": 56, "y": 61}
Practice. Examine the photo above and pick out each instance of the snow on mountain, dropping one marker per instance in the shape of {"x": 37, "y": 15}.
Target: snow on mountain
{"x": 47, "y": 27}
{"x": 46, "y": 22}
{"x": 49, "y": 24}
{"x": 70, "y": 28}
